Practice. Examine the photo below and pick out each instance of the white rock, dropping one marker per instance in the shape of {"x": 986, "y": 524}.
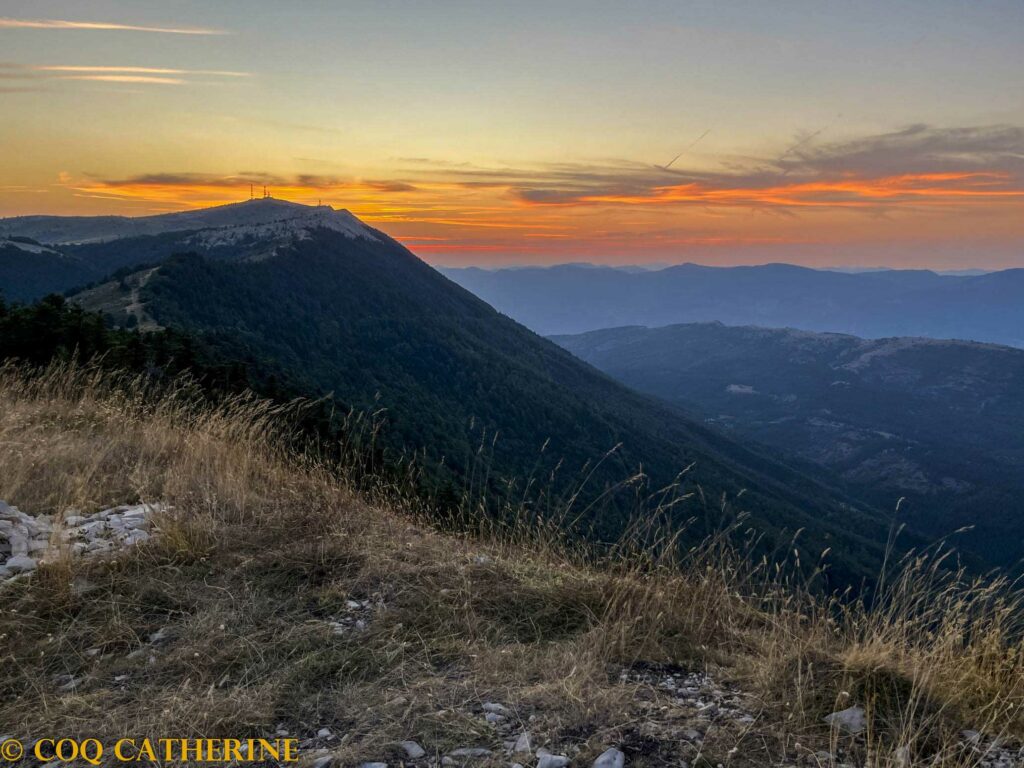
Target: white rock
{"x": 522, "y": 744}
{"x": 135, "y": 537}
{"x": 38, "y": 545}
{"x": 324, "y": 733}
{"x": 373, "y": 765}
{"x": 413, "y": 750}
{"x": 18, "y": 543}
{"x": 851, "y": 720}
{"x": 494, "y": 717}
{"x": 552, "y": 761}
{"x": 470, "y": 752}
{"x": 497, "y": 709}
{"x": 160, "y": 634}
{"x": 610, "y": 758}
{"x": 20, "y": 564}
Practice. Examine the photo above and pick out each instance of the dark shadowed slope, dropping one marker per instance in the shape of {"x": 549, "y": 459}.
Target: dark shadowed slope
{"x": 940, "y": 423}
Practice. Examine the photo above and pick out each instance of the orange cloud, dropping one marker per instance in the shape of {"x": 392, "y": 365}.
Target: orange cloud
{"x": 918, "y": 186}
{"x": 847, "y": 192}
{"x": 140, "y": 70}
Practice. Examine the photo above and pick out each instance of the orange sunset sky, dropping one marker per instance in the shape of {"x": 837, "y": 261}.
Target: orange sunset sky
{"x": 827, "y": 134}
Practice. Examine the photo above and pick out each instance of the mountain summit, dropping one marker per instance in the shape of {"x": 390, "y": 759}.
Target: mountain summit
{"x": 258, "y": 218}
{"x": 52, "y": 254}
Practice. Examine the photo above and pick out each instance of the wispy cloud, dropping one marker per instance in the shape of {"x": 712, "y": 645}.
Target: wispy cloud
{"x": 917, "y": 166}
{"x": 9, "y": 23}
{"x": 140, "y": 70}
{"x": 114, "y": 74}
{"x": 146, "y": 79}
{"x": 193, "y": 189}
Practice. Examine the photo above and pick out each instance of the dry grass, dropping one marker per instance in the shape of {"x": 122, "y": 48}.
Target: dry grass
{"x": 264, "y": 547}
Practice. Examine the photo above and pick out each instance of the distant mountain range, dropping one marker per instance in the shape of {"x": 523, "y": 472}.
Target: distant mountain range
{"x": 341, "y": 310}
{"x": 578, "y": 298}
{"x": 940, "y": 423}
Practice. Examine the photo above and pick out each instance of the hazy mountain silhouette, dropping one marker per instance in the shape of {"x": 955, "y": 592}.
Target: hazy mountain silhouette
{"x": 574, "y": 299}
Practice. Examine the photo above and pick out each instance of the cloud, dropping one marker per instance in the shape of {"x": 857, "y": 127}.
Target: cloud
{"x": 919, "y": 185}
{"x": 915, "y": 167}
{"x": 112, "y": 74}
{"x": 147, "y": 79}
{"x": 139, "y": 70}
{"x": 916, "y": 149}
{"x": 192, "y": 189}
{"x": 9, "y": 23}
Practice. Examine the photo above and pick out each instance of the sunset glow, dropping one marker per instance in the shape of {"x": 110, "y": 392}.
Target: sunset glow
{"x": 732, "y": 138}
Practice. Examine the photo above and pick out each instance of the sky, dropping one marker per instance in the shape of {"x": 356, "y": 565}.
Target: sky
{"x": 494, "y": 133}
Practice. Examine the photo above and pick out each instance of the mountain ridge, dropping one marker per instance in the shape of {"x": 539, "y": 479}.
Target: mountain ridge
{"x": 569, "y": 300}
{"x": 936, "y": 422}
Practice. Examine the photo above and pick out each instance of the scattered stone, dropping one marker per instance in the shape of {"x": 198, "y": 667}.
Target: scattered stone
{"x": 610, "y": 758}
{"x": 373, "y": 765}
{"x": 547, "y": 760}
{"x": 493, "y": 708}
{"x": 66, "y": 683}
{"x": 469, "y": 752}
{"x": 851, "y": 720}
{"x": 158, "y": 636}
{"x": 20, "y": 564}
{"x": 413, "y": 750}
{"x": 493, "y": 718}
{"x": 522, "y": 744}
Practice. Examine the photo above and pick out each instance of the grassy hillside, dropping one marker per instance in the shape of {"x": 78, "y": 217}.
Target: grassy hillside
{"x": 273, "y": 598}
{"x": 489, "y": 408}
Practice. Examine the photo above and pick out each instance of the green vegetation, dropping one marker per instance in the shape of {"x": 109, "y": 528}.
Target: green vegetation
{"x": 490, "y": 409}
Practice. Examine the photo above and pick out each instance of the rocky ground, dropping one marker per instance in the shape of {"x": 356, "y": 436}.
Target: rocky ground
{"x": 27, "y": 540}
{"x": 676, "y": 716}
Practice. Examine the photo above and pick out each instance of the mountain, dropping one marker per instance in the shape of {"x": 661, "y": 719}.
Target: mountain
{"x": 81, "y": 250}
{"x": 940, "y": 423}
{"x": 28, "y": 270}
{"x": 262, "y": 218}
{"x": 573, "y": 299}
{"x": 343, "y": 310}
